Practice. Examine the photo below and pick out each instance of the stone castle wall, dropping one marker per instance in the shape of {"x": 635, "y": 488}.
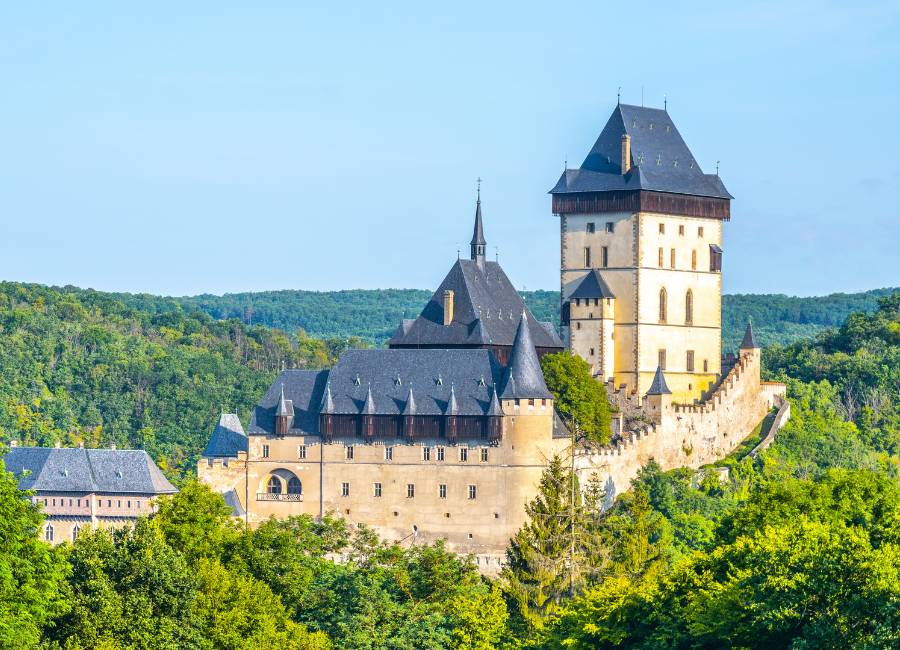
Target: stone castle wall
{"x": 685, "y": 435}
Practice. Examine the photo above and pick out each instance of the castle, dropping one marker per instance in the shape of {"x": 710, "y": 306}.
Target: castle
{"x": 445, "y": 434}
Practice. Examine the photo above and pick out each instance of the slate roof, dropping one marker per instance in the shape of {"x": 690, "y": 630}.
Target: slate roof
{"x": 660, "y": 159}
{"x": 592, "y": 286}
{"x": 228, "y": 438}
{"x": 486, "y": 312}
{"x": 116, "y": 471}
{"x": 749, "y": 342}
{"x": 523, "y": 376}
{"x": 305, "y": 389}
{"x": 659, "y": 386}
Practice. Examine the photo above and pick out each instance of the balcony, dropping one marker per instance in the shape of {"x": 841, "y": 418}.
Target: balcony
{"x": 272, "y": 496}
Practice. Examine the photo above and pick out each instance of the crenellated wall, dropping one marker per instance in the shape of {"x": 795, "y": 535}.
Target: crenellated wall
{"x": 680, "y": 435}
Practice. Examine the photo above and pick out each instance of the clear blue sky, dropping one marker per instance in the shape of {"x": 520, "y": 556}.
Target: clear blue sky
{"x": 181, "y": 148}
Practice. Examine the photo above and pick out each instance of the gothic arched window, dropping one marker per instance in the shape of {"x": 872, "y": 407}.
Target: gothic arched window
{"x": 294, "y": 486}
{"x": 274, "y": 485}
{"x": 689, "y": 308}
{"x": 663, "y": 306}
{"x": 48, "y": 534}
{"x": 75, "y": 532}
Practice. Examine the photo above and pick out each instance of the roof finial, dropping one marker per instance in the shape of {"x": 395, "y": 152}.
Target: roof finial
{"x": 478, "y": 243}
{"x": 479, "y": 188}
{"x": 665, "y": 102}
{"x": 619, "y": 95}
{"x": 717, "y": 168}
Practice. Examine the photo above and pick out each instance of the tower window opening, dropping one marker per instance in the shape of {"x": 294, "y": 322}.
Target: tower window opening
{"x": 376, "y": 490}
{"x": 345, "y": 489}
{"x": 590, "y": 227}
{"x": 689, "y": 308}
{"x": 693, "y": 260}
{"x": 265, "y": 451}
{"x": 587, "y": 257}
{"x": 700, "y": 231}
{"x": 672, "y": 258}
{"x": 442, "y": 491}
{"x": 604, "y": 256}
{"x": 706, "y": 365}
{"x": 609, "y": 226}
{"x": 410, "y": 490}
{"x": 690, "y": 361}
{"x": 680, "y": 230}
{"x": 661, "y": 256}
{"x": 662, "y": 229}
{"x": 663, "y": 305}
{"x": 662, "y": 359}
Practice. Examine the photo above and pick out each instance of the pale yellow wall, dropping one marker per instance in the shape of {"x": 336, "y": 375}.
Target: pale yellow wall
{"x": 90, "y": 511}
{"x": 504, "y": 484}
{"x": 635, "y": 277}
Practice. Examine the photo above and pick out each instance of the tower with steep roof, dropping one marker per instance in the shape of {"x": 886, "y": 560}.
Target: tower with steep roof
{"x": 641, "y": 256}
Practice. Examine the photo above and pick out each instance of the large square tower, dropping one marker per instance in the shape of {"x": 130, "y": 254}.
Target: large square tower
{"x": 641, "y": 256}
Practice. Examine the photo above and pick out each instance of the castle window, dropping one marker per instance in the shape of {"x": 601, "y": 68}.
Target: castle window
{"x": 295, "y": 486}
{"x": 662, "y": 229}
{"x": 661, "y": 254}
{"x": 715, "y": 258}
{"x": 442, "y": 490}
{"x": 700, "y": 231}
{"x": 426, "y": 453}
{"x": 689, "y": 308}
{"x": 75, "y": 532}
{"x": 672, "y": 258}
{"x": 128, "y": 504}
{"x": 274, "y": 485}
{"x": 609, "y": 226}
{"x": 693, "y": 260}
{"x": 118, "y": 503}
{"x": 376, "y": 490}
{"x": 473, "y": 491}
{"x": 663, "y": 305}
{"x": 592, "y": 351}
{"x": 265, "y": 451}
{"x": 587, "y": 257}
{"x": 410, "y": 490}
{"x": 48, "y": 533}
{"x": 705, "y": 365}
{"x": 301, "y": 452}
{"x": 440, "y": 454}
{"x": 484, "y": 455}
{"x": 578, "y": 325}
{"x": 530, "y": 401}
{"x": 604, "y": 256}
{"x": 345, "y": 489}
{"x": 138, "y": 505}
{"x": 662, "y": 359}
{"x": 577, "y": 302}
{"x": 389, "y": 453}
{"x": 463, "y": 454}
{"x": 348, "y": 452}
{"x": 590, "y": 227}
{"x": 690, "y": 361}
{"x": 680, "y": 230}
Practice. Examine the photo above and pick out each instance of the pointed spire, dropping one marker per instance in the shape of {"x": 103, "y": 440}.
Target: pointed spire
{"x": 284, "y": 409}
{"x": 410, "y": 407}
{"x": 478, "y": 243}
{"x": 659, "y": 387}
{"x": 523, "y": 377}
{"x": 452, "y": 405}
{"x": 494, "y": 408}
{"x": 369, "y": 407}
{"x": 327, "y": 405}
{"x": 749, "y": 342}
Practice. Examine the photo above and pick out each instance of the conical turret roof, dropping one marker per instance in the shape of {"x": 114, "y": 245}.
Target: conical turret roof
{"x": 327, "y": 405}
{"x": 749, "y": 342}
{"x": 494, "y": 408}
{"x": 524, "y": 377}
{"x": 452, "y": 404}
{"x": 659, "y": 386}
{"x": 369, "y": 406}
{"x": 285, "y": 408}
{"x": 410, "y": 407}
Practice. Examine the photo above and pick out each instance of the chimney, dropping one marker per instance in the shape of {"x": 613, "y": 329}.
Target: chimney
{"x": 448, "y": 306}
{"x": 626, "y": 153}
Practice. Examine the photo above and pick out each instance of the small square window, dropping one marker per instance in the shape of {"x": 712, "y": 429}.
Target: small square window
{"x": 301, "y": 452}
{"x": 389, "y": 453}
{"x": 410, "y": 490}
{"x": 426, "y": 453}
{"x": 345, "y": 489}
{"x": 484, "y": 455}
{"x": 348, "y": 452}
{"x": 442, "y": 491}
{"x": 590, "y": 226}
{"x": 473, "y": 490}
{"x": 376, "y": 490}
{"x": 609, "y": 226}
{"x": 463, "y": 454}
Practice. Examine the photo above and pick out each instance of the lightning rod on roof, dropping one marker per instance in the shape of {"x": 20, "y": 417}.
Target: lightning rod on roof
{"x": 665, "y": 102}
{"x": 619, "y": 95}
{"x": 717, "y": 168}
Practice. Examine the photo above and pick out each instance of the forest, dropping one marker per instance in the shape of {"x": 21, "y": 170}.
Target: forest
{"x": 798, "y": 547}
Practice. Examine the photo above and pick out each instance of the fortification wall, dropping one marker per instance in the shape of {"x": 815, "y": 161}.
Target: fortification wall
{"x": 687, "y": 435}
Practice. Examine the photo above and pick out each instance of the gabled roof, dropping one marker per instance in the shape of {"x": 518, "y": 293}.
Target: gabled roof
{"x": 659, "y": 386}
{"x": 749, "y": 342}
{"x": 523, "y": 377}
{"x": 592, "y": 286}
{"x": 660, "y": 159}
{"x": 305, "y": 389}
{"x": 486, "y": 312}
{"x": 228, "y": 438}
{"x": 125, "y": 471}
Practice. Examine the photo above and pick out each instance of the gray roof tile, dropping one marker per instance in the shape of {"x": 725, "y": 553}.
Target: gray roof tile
{"x": 228, "y": 438}
{"x": 592, "y": 286}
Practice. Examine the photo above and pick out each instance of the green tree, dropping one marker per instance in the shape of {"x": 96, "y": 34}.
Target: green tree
{"x": 196, "y": 521}
{"x": 580, "y": 399}
{"x": 32, "y": 574}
